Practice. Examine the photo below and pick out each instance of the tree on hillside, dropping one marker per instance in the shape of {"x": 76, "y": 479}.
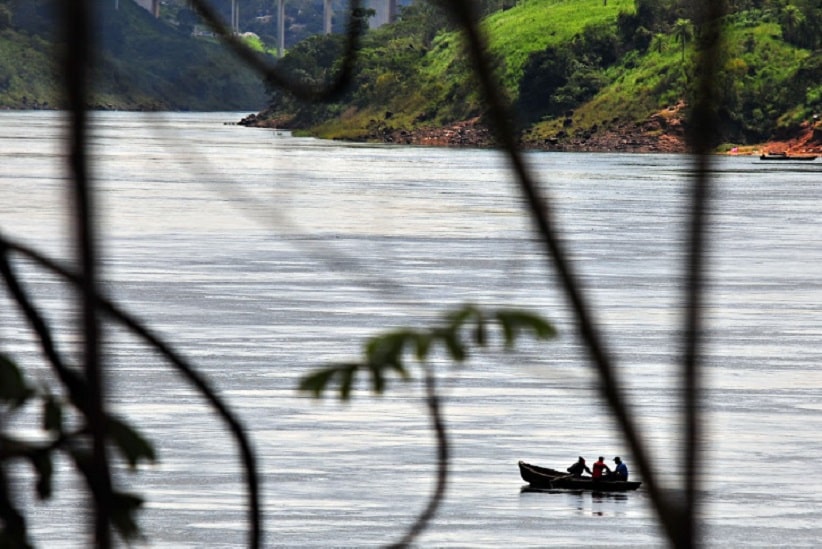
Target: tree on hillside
{"x": 421, "y": 19}
{"x": 790, "y": 18}
{"x": 658, "y": 43}
{"x": 683, "y": 31}
{"x": 801, "y": 24}
{"x": 5, "y": 16}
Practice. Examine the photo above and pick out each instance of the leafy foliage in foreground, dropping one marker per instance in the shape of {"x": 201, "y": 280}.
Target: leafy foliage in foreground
{"x": 60, "y": 435}
{"x": 463, "y": 329}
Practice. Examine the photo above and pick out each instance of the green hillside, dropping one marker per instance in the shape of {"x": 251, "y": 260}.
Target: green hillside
{"x": 26, "y": 72}
{"x": 142, "y": 63}
{"x": 766, "y": 83}
{"x": 573, "y": 68}
{"x": 532, "y": 26}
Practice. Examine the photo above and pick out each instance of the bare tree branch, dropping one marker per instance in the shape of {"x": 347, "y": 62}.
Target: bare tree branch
{"x": 701, "y": 138}
{"x": 438, "y": 424}
{"x": 77, "y": 22}
{"x": 186, "y": 370}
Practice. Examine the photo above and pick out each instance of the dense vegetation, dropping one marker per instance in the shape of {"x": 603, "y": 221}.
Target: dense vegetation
{"x": 572, "y": 67}
{"x": 143, "y": 63}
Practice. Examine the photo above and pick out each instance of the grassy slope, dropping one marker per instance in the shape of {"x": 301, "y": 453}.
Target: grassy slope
{"x": 533, "y": 25}
{"x": 514, "y": 34}
{"x": 25, "y": 72}
{"x": 147, "y": 64}
{"x": 754, "y": 56}
{"x": 767, "y": 65}
{"x": 142, "y": 64}
{"x": 443, "y": 90}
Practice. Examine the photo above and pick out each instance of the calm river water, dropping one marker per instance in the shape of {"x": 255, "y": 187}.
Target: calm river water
{"x": 261, "y": 256}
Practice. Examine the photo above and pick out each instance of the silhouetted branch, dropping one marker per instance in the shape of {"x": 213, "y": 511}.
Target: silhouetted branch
{"x": 77, "y": 21}
{"x": 384, "y": 354}
{"x": 438, "y": 424}
{"x": 75, "y": 386}
{"x": 14, "y": 523}
{"x": 701, "y": 139}
{"x": 184, "y": 368}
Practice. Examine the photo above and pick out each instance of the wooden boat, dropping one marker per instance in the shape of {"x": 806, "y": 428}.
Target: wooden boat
{"x": 786, "y": 156}
{"x": 542, "y": 477}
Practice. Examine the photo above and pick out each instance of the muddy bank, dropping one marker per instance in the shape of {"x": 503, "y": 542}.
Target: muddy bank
{"x": 807, "y": 139}
{"x": 650, "y": 137}
{"x": 467, "y": 133}
{"x": 664, "y": 132}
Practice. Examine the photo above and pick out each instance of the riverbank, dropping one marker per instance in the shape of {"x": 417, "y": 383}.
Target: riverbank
{"x": 662, "y": 133}
{"x": 807, "y": 139}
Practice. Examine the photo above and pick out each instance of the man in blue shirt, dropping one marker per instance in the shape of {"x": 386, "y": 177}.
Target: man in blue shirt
{"x": 621, "y": 470}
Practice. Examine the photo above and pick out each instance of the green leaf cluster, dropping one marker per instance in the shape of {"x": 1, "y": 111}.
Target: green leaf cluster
{"x": 462, "y": 331}
{"x": 59, "y": 435}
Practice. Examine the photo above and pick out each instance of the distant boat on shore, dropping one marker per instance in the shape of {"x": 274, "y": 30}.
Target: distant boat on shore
{"x": 786, "y": 156}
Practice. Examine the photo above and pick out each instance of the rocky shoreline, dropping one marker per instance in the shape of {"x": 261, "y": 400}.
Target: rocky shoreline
{"x": 471, "y": 133}
{"x": 664, "y": 132}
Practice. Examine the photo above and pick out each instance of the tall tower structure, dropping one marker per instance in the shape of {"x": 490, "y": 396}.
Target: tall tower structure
{"x": 385, "y": 11}
{"x": 328, "y": 16}
{"x": 280, "y": 28}
{"x": 151, "y": 6}
{"x": 235, "y": 16}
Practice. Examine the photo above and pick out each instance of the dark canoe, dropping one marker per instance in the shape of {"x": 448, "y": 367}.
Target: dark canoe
{"x": 785, "y": 156}
{"x": 542, "y": 477}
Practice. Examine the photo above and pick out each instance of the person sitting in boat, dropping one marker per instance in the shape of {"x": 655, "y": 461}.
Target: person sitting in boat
{"x": 578, "y": 468}
{"x": 600, "y": 469}
{"x": 620, "y": 471}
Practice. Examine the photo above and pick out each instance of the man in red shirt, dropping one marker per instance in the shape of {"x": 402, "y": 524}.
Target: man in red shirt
{"x": 599, "y": 469}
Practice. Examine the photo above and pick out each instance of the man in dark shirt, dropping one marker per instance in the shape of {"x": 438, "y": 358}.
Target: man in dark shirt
{"x": 578, "y": 468}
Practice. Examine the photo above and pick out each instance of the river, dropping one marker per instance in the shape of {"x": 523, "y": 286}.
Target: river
{"x": 261, "y": 256}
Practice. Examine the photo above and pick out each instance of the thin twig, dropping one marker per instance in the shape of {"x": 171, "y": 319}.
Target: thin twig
{"x": 188, "y": 372}
{"x": 77, "y": 391}
{"x": 438, "y": 423}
